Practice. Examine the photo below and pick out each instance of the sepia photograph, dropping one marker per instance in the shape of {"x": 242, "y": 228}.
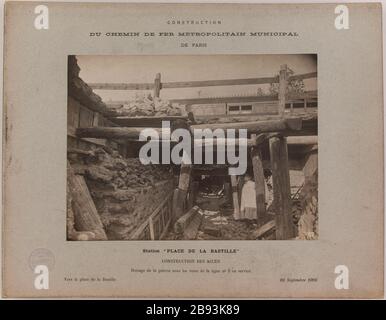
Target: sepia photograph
{"x": 171, "y": 150}
{"x": 192, "y": 147}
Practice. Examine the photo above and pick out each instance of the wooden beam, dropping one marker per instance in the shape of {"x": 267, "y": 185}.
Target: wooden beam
{"x": 183, "y": 222}
{"x": 258, "y": 173}
{"x": 113, "y": 132}
{"x": 182, "y": 190}
{"x": 190, "y": 232}
{"x": 235, "y": 196}
{"x": 122, "y": 86}
{"x": 223, "y": 142}
{"x": 215, "y": 142}
{"x": 151, "y": 228}
{"x": 224, "y": 100}
{"x": 283, "y": 83}
{"x": 307, "y": 140}
{"x": 214, "y": 83}
{"x": 157, "y": 85}
{"x": 256, "y": 126}
{"x": 151, "y": 122}
{"x": 281, "y": 188}
{"x": 261, "y": 231}
{"x": 198, "y": 101}
{"x": 195, "y": 84}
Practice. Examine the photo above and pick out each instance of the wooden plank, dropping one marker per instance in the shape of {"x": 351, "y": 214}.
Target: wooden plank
{"x": 184, "y": 220}
{"x": 157, "y": 85}
{"x": 151, "y": 228}
{"x": 166, "y": 229}
{"x": 281, "y": 188}
{"x": 235, "y": 197}
{"x": 85, "y": 213}
{"x": 264, "y": 229}
{"x": 185, "y": 174}
{"x": 183, "y": 187}
{"x": 191, "y": 230}
{"x": 283, "y": 83}
{"x": 258, "y": 173}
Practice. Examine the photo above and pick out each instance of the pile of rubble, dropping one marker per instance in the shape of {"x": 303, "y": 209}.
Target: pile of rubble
{"x": 125, "y": 191}
{"x": 112, "y": 171}
{"x": 149, "y": 106}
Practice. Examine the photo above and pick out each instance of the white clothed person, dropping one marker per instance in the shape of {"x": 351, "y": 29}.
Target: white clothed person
{"x": 248, "y": 201}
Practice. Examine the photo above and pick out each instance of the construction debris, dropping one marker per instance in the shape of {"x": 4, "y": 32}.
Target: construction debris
{"x": 120, "y": 189}
{"x": 113, "y": 171}
{"x": 150, "y": 106}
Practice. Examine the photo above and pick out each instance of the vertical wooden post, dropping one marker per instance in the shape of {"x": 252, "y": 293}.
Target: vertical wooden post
{"x": 86, "y": 216}
{"x": 282, "y": 88}
{"x": 235, "y": 196}
{"x": 195, "y": 187}
{"x": 157, "y": 85}
{"x": 240, "y": 184}
{"x": 258, "y": 173}
{"x": 182, "y": 190}
{"x": 292, "y": 107}
{"x": 281, "y": 188}
{"x": 192, "y": 194}
{"x": 305, "y": 105}
{"x": 95, "y": 120}
{"x": 227, "y": 191}
{"x": 151, "y": 228}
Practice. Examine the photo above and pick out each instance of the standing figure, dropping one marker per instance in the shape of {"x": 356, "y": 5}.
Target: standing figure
{"x": 248, "y": 199}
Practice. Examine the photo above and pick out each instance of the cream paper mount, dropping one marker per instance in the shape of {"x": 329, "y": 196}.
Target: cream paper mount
{"x": 86, "y": 85}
